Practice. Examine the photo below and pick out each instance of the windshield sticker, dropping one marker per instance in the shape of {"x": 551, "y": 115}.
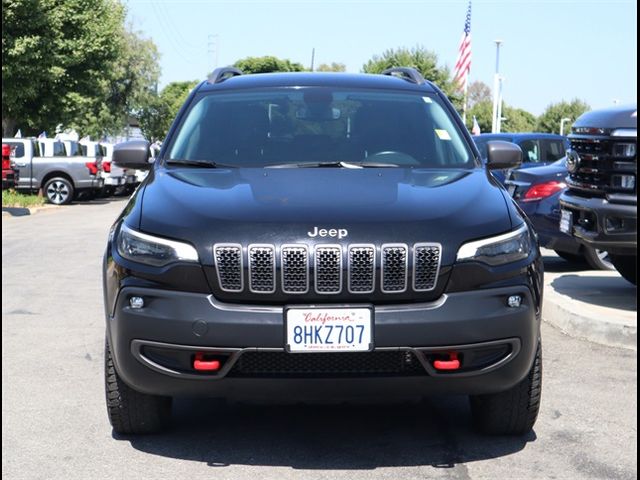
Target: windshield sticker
{"x": 427, "y": 100}
{"x": 443, "y": 134}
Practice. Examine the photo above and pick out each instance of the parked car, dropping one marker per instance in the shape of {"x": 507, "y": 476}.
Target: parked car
{"x": 600, "y": 207}
{"x": 9, "y": 172}
{"x": 537, "y": 148}
{"x": 328, "y": 233}
{"x": 537, "y": 190}
{"x": 44, "y": 164}
{"x": 117, "y": 180}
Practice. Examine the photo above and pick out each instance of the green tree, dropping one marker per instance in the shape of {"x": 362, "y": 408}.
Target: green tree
{"x": 483, "y": 111}
{"x": 267, "y": 64}
{"x": 333, "y": 67}
{"x": 156, "y": 117}
{"x": 517, "y": 120}
{"x": 550, "y": 119}
{"x": 73, "y": 63}
{"x": 423, "y": 60}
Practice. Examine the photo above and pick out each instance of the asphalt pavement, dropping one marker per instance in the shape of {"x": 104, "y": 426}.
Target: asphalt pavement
{"x": 54, "y": 422}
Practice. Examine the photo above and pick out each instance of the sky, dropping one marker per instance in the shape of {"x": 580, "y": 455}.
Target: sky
{"x": 551, "y": 50}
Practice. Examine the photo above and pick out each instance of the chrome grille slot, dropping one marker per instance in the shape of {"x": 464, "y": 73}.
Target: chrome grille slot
{"x": 228, "y": 258}
{"x": 394, "y": 268}
{"x": 426, "y": 265}
{"x": 328, "y": 269}
{"x": 262, "y": 268}
{"x": 295, "y": 268}
{"x": 362, "y": 267}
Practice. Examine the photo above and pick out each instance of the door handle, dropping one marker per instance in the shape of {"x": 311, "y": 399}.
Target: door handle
{"x": 21, "y": 164}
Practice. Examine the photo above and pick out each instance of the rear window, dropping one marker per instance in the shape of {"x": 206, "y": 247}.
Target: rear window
{"x": 257, "y": 128}
{"x": 17, "y": 149}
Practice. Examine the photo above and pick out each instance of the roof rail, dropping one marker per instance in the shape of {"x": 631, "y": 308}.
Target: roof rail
{"x": 407, "y": 73}
{"x": 221, "y": 74}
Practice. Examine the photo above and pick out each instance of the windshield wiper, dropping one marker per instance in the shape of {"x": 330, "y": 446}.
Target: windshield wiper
{"x": 197, "y": 163}
{"x": 333, "y": 165}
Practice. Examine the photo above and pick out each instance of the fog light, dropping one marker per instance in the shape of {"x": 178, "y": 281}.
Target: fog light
{"x": 136, "y": 302}
{"x": 514, "y": 301}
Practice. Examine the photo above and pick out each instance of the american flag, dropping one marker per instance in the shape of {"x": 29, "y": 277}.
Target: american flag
{"x": 463, "y": 63}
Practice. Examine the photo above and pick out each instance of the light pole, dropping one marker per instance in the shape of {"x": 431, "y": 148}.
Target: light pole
{"x": 495, "y": 122}
{"x": 562, "y": 124}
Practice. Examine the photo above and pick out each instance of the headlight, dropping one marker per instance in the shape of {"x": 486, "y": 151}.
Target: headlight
{"x": 506, "y": 248}
{"x": 142, "y": 248}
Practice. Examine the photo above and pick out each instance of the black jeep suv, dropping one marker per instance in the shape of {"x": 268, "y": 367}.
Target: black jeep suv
{"x": 310, "y": 235}
{"x": 600, "y": 207}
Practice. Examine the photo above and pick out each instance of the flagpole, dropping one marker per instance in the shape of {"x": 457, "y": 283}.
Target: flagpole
{"x": 464, "y": 103}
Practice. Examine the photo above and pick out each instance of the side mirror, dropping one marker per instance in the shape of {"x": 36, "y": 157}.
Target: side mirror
{"x": 502, "y": 155}
{"x": 134, "y": 154}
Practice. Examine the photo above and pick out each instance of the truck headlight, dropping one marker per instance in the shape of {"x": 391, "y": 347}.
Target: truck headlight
{"x": 150, "y": 250}
{"x": 506, "y": 248}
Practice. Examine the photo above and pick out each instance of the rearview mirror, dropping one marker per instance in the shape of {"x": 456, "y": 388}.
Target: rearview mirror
{"x": 502, "y": 155}
{"x": 134, "y": 154}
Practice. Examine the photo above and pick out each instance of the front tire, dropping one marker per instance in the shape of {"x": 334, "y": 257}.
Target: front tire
{"x": 598, "y": 259}
{"x": 513, "y": 412}
{"x": 59, "y": 191}
{"x": 130, "y": 411}
{"x": 626, "y": 266}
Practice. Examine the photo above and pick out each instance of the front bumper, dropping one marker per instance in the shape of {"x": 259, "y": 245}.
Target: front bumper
{"x": 602, "y": 224}
{"x": 461, "y": 321}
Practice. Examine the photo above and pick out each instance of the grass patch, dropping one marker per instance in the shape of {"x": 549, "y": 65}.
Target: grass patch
{"x": 11, "y": 198}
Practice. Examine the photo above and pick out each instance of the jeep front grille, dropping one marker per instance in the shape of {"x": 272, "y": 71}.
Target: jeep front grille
{"x": 295, "y": 269}
{"x": 228, "y": 258}
{"x": 262, "y": 268}
{"x": 362, "y": 268}
{"x": 394, "y": 268}
{"x": 328, "y": 269}
{"x": 426, "y": 264}
{"x": 292, "y": 268}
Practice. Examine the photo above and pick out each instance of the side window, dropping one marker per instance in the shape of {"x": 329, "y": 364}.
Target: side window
{"x": 17, "y": 149}
{"x": 58, "y": 149}
{"x": 530, "y": 151}
{"x": 553, "y": 150}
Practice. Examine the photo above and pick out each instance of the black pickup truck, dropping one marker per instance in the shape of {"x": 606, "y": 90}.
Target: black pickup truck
{"x": 310, "y": 235}
{"x": 600, "y": 205}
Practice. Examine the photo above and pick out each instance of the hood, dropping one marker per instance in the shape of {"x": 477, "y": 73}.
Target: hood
{"x": 610, "y": 118}
{"x": 277, "y": 206}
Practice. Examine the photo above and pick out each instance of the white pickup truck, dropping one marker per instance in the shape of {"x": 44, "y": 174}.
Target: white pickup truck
{"x": 44, "y": 164}
{"x": 115, "y": 178}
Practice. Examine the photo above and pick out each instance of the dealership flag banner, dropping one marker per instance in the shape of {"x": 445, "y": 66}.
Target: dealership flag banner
{"x": 463, "y": 63}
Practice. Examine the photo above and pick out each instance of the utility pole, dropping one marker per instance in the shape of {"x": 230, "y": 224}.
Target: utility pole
{"x": 213, "y": 49}
{"x": 313, "y": 56}
{"x": 497, "y": 84}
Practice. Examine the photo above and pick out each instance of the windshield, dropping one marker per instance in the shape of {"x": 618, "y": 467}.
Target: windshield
{"x": 262, "y": 128}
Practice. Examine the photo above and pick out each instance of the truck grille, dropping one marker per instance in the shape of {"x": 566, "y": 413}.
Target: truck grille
{"x": 605, "y": 165}
{"x": 282, "y": 364}
{"x": 328, "y": 267}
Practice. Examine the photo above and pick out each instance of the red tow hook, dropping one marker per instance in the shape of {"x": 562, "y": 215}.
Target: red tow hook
{"x": 452, "y": 364}
{"x": 200, "y": 364}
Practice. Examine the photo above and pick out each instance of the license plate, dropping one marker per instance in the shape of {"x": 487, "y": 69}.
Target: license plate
{"x": 566, "y": 222}
{"x": 316, "y": 329}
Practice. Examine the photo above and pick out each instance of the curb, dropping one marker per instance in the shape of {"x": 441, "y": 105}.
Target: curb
{"x": 597, "y": 330}
{"x": 25, "y": 211}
